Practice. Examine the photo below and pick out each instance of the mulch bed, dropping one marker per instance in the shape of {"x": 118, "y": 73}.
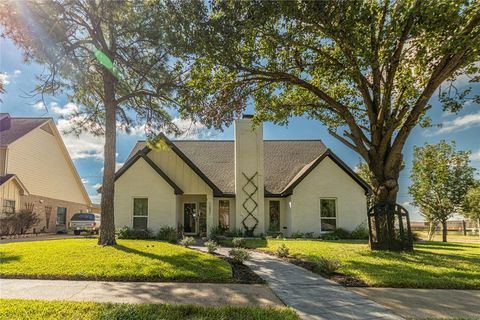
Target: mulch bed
{"x": 242, "y": 273}
{"x": 340, "y": 278}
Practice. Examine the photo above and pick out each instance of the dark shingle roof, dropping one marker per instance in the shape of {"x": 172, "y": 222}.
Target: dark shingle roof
{"x": 5, "y": 178}
{"x": 16, "y": 128}
{"x": 284, "y": 160}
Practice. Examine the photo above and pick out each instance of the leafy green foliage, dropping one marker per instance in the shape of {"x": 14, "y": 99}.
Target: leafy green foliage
{"x": 328, "y": 265}
{"x": 282, "y": 251}
{"x": 360, "y": 232}
{"x": 471, "y": 204}
{"x": 130, "y": 260}
{"x": 212, "y": 246}
{"x": 238, "y": 242}
{"x": 441, "y": 177}
{"x": 167, "y": 233}
{"x": 130, "y": 233}
{"x": 239, "y": 255}
{"x": 187, "y": 241}
{"x": 40, "y": 310}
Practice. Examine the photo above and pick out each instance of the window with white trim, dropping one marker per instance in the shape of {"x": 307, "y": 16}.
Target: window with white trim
{"x": 328, "y": 214}
{"x": 224, "y": 214}
{"x": 140, "y": 213}
{"x": 8, "y": 206}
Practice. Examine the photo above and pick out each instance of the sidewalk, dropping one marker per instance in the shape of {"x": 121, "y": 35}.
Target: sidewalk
{"x": 312, "y": 296}
{"x": 426, "y": 303}
{"x": 139, "y": 292}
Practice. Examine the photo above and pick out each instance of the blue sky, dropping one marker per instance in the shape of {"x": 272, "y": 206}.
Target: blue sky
{"x": 86, "y": 150}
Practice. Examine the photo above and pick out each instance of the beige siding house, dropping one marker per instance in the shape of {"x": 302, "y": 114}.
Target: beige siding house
{"x": 37, "y": 172}
{"x": 255, "y": 185}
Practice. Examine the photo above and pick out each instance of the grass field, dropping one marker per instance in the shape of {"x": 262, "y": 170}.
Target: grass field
{"x": 130, "y": 260}
{"x": 39, "y": 310}
{"x": 431, "y": 265}
{"x": 452, "y": 236}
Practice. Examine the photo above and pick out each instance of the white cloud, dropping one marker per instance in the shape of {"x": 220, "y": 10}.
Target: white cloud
{"x": 4, "y": 78}
{"x": 67, "y": 110}
{"x": 460, "y": 123}
{"x": 475, "y": 156}
{"x": 192, "y": 130}
{"x": 97, "y": 186}
{"x": 84, "y": 146}
{"x": 95, "y": 198}
{"x": 84, "y": 181}
{"x": 39, "y": 106}
{"x": 17, "y": 72}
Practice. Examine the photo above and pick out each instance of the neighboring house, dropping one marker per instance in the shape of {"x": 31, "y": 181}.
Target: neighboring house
{"x": 37, "y": 173}
{"x": 270, "y": 186}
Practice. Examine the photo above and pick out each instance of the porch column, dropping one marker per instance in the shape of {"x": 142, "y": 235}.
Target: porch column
{"x": 210, "y": 220}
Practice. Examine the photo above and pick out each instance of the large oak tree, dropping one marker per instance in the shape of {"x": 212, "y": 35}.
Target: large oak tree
{"x": 109, "y": 58}
{"x": 366, "y": 69}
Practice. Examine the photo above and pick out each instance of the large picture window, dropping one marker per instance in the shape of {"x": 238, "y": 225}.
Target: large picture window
{"x": 224, "y": 214}
{"x": 328, "y": 214}
{"x": 61, "y": 216}
{"x": 140, "y": 213}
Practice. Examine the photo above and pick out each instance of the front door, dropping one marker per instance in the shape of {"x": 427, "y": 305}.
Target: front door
{"x": 190, "y": 217}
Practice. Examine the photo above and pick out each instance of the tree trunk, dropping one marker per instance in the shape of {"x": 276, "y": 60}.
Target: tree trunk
{"x": 444, "y": 230}
{"x": 431, "y": 230}
{"x": 385, "y": 188}
{"x": 107, "y": 229}
{"x": 478, "y": 225}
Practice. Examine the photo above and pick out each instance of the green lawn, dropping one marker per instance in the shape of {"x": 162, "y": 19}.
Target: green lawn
{"x": 431, "y": 265}
{"x": 130, "y": 260}
{"x": 34, "y": 309}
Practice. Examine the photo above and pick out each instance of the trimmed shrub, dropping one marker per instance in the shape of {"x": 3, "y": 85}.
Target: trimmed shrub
{"x": 215, "y": 233}
{"x": 212, "y": 246}
{"x": 18, "y": 222}
{"x": 238, "y": 242}
{"x": 309, "y": 235}
{"x": 282, "y": 251}
{"x": 167, "y": 233}
{"x": 187, "y": 242}
{"x": 360, "y": 232}
{"x": 138, "y": 234}
{"x": 337, "y": 235}
{"x": 328, "y": 265}
{"x": 234, "y": 233}
{"x": 297, "y": 235}
{"x": 239, "y": 255}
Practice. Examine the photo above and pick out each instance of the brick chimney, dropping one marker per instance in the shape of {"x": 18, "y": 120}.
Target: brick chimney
{"x": 249, "y": 176}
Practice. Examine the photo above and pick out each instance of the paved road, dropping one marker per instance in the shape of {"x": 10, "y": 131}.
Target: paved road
{"x": 312, "y": 296}
{"x": 139, "y": 292}
{"x": 427, "y": 303}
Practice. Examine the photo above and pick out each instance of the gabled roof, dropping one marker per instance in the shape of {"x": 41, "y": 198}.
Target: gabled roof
{"x": 141, "y": 155}
{"x": 13, "y": 128}
{"x": 285, "y": 161}
{"x": 11, "y": 177}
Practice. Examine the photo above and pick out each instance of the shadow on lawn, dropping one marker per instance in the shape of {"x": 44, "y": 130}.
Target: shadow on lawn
{"x": 189, "y": 263}
{"x": 5, "y": 258}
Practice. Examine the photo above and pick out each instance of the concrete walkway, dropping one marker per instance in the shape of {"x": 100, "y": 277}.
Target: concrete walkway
{"x": 139, "y": 292}
{"x": 426, "y": 303}
{"x": 312, "y": 296}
